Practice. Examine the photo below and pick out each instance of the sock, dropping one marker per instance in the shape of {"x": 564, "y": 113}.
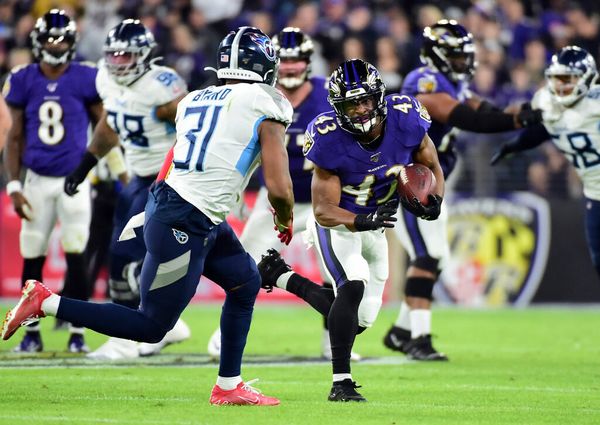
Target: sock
{"x": 76, "y": 285}
{"x": 76, "y": 330}
{"x": 343, "y": 324}
{"x": 228, "y": 384}
{"x": 420, "y": 321}
{"x": 50, "y": 305}
{"x": 318, "y": 297}
{"x": 403, "y": 320}
{"x": 329, "y": 288}
{"x": 338, "y": 377}
{"x": 33, "y": 328}
{"x": 283, "y": 280}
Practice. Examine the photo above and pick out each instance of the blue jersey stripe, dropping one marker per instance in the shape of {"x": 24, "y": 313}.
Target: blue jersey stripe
{"x": 251, "y": 151}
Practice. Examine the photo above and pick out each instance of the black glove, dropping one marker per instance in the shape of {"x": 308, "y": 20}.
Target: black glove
{"x": 78, "y": 175}
{"x": 431, "y": 211}
{"x": 500, "y": 153}
{"x": 528, "y": 117}
{"x": 380, "y": 218}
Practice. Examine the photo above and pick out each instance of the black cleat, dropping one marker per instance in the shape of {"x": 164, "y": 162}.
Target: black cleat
{"x": 345, "y": 391}
{"x": 396, "y": 339}
{"x": 270, "y": 267}
{"x": 421, "y": 349}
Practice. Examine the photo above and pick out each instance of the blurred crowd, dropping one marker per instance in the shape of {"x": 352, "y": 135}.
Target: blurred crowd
{"x": 515, "y": 40}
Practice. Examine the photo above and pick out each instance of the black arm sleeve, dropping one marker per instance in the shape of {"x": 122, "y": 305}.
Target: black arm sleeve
{"x": 528, "y": 139}
{"x": 480, "y": 121}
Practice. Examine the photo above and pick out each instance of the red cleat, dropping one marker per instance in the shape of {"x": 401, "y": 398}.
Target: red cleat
{"x": 242, "y": 395}
{"x": 28, "y": 310}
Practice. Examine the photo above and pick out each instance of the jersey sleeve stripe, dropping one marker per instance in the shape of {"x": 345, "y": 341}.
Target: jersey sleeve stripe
{"x": 251, "y": 151}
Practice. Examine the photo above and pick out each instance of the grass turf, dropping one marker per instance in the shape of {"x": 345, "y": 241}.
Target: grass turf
{"x": 533, "y": 366}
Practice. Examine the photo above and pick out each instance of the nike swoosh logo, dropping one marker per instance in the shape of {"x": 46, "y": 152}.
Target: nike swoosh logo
{"x": 395, "y": 340}
{"x": 249, "y": 400}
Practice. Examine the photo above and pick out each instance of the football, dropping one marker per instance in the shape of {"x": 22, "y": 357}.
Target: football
{"x": 416, "y": 181}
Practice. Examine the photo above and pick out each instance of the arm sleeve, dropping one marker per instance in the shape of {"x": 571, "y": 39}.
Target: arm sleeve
{"x": 480, "y": 121}
{"x": 528, "y": 139}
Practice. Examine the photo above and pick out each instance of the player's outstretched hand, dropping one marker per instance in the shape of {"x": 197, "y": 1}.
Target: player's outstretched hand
{"x": 431, "y": 211}
{"x": 528, "y": 117}
{"x": 383, "y": 217}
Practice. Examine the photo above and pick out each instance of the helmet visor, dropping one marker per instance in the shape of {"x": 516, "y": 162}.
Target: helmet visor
{"x": 120, "y": 62}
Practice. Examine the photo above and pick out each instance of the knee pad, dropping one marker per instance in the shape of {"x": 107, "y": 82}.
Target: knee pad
{"x": 427, "y": 263}
{"x": 33, "y": 244}
{"x": 370, "y": 305}
{"x": 74, "y": 238}
{"x": 419, "y": 287}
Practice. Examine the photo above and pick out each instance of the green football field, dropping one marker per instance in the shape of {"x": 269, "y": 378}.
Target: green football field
{"x": 533, "y": 366}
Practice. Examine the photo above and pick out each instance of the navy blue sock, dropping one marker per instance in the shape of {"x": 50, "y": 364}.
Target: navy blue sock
{"x": 235, "y": 324}
{"x": 109, "y": 319}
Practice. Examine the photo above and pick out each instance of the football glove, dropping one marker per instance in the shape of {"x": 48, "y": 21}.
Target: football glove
{"x": 383, "y": 217}
{"x": 528, "y": 117}
{"x": 431, "y": 211}
{"x": 285, "y": 232}
{"x": 78, "y": 175}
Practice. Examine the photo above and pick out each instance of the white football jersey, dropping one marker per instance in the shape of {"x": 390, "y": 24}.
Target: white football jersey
{"x": 576, "y": 133}
{"x": 217, "y": 147}
{"x": 132, "y": 115}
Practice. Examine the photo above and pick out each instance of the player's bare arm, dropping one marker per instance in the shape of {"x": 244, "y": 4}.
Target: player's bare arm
{"x": 96, "y": 112}
{"x": 168, "y": 111}
{"x": 5, "y": 122}
{"x": 275, "y": 171}
{"x": 104, "y": 138}
{"x": 12, "y": 162}
{"x": 427, "y": 155}
{"x": 326, "y": 192}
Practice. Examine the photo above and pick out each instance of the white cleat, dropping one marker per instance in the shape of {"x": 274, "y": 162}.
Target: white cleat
{"x": 326, "y": 348}
{"x": 180, "y": 332}
{"x": 115, "y": 349}
{"x": 214, "y": 344}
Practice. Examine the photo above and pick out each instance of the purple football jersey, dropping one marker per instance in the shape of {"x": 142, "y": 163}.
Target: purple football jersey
{"x": 300, "y": 168}
{"x": 423, "y": 81}
{"x": 55, "y": 116}
{"x": 368, "y": 177}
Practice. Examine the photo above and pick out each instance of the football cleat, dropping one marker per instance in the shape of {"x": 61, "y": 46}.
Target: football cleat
{"x": 116, "y": 349}
{"x": 242, "y": 395}
{"x": 326, "y": 348}
{"x": 270, "y": 267}
{"x": 27, "y": 310}
{"x": 396, "y": 339}
{"x": 31, "y": 343}
{"x": 345, "y": 391}
{"x": 214, "y": 345}
{"x": 77, "y": 344}
{"x": 421, "y": 349}
{"x": 180, "y": 332}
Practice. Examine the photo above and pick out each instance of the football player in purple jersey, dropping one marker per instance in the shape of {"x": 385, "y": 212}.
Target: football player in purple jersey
{"x": 448, "y": 52}
{"x": 5, "y": 122}
{"x": 52, "y": 103}
{"x": 308, "y": 96}
{"x": 358, "y": 150}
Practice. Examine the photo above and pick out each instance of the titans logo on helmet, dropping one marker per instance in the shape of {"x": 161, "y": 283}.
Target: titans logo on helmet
{"x": 265, "y": 44}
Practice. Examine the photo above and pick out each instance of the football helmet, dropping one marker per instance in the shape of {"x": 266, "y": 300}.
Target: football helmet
{"x": 128, "y": 51}
{"x": 571, "y": 73}
{"x": 294, "y": 49}
{"x": 48, "y": 35}
{"x": 247, "y": 54}
{"x": 449, "y": 48}
{"x": 356, "y": 92}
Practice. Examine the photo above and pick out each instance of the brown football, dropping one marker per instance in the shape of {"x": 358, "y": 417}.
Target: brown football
{"x": 416, "y": 181}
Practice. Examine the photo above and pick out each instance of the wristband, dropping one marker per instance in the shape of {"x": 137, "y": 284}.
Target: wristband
{"x": 14, "y": 186}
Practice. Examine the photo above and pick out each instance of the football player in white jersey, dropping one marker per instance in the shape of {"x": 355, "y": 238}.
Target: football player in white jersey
{"x": 223, "y": 133}
{"x": 570, "y": 104}
{"x": 140, "y": 101}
